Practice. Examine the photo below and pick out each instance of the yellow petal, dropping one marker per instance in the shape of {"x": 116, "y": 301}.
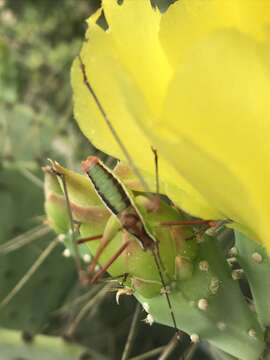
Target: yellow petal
{"x": 217, "y": 119}
{"x": 189, "y": 21}
{"x": 124, "y": 101}
{"x": 134, "y": 30}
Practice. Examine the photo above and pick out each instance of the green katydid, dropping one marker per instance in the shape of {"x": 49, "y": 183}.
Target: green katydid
{"x": 121, "y": 204}
{"x": 117, "y": 199}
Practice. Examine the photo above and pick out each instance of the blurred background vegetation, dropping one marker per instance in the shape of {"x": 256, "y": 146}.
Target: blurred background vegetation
{"x": 38, "y": 42}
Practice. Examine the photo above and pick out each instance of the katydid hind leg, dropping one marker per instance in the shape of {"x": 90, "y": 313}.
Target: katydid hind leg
{"x": 109, "y": 262}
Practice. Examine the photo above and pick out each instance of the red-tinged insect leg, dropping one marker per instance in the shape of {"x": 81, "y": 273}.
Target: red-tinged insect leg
{"x": 97, "y": 276}
{"x": 85, "y": 276}
{"x": 90, "y": 238}
{"x": 102, "y": 246}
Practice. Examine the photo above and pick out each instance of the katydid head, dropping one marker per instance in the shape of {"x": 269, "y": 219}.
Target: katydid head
{"x": 89, "y": 162}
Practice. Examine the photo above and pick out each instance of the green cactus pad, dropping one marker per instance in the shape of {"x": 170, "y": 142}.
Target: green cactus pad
{"x": 41, "y": 348}
{"x": 221, "y": 317}
{"x": 255, "y": 262}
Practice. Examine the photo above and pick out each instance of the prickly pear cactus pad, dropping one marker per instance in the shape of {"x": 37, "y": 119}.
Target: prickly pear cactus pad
{"x": 210, "y": 306}
{"x": 42, "y": 347}
{"x": 255, "y": 263}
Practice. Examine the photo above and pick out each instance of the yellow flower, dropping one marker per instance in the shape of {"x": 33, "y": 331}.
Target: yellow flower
{"x": 194, "y": 83}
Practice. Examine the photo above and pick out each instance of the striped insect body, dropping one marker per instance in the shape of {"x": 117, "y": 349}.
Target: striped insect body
{"x": 118, "y": 200}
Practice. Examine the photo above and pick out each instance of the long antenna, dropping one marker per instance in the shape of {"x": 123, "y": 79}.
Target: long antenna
{"x": 177, "y": 331}
{"x": 111, "y": 127}
{"x": 156, "y": 169}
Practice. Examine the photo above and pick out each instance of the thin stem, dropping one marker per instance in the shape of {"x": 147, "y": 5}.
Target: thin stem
{"x": 86, "y": 308}
{"x": 30, "y": 272}
{"x": 82, "y": 298}
{"x": 149, "y": 354}
{"x": 24, "y": 239}
{"x": 189, "y": 352}
{"x": 32, "y": 177}
{"x": 170, "y": 347}
{"x": 109, "y": 263}
{"x": 74, "y": 242}
{"x": 166, "y": 293}
{"x": 132, "y": 333}
{"x": 17, "y": 165}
